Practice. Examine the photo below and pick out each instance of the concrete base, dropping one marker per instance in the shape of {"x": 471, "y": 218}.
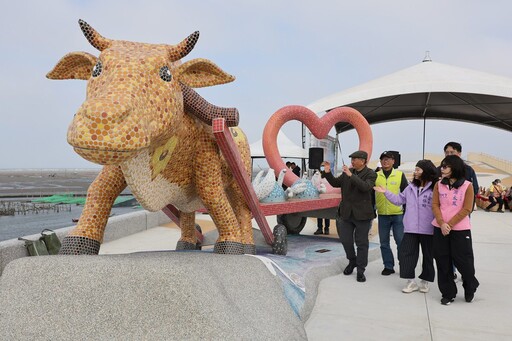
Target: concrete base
{"x": 151, "y": 295}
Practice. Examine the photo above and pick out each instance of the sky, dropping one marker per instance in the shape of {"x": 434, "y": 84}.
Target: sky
{"x": 281, "y": 53}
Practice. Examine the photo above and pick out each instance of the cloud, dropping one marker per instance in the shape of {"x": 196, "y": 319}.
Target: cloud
{"x": 282, "y": 52}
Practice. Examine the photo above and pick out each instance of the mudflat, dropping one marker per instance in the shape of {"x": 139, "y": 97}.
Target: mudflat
{"x": 43, "y": 182}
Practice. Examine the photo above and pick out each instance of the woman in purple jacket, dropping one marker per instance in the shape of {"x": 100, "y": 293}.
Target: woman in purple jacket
{"x": 418, "y": 229}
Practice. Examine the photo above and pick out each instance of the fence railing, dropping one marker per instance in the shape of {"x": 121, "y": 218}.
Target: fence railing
{"x": 498, "y": 163}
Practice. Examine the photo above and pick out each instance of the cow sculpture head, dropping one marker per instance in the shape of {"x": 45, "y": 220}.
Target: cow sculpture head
{"x": 135, "y": 94}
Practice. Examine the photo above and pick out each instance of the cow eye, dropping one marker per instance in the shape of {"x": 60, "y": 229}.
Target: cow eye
{"x": 96, "y": 70}
{"x": 165, "y": 74}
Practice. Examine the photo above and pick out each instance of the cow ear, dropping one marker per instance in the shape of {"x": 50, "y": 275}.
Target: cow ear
{"x": 199, "y": 73}
{"x": 74, "y": 65}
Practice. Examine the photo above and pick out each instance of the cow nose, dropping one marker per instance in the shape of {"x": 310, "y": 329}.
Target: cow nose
{"x": 103, "y": 111}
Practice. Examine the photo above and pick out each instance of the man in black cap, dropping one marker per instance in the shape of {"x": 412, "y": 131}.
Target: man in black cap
{"x": 390, "y": 216}
{"x": 355, "y": 213}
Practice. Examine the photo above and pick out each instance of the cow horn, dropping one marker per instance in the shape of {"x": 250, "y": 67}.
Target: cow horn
{"x": 94, "y": 38}
{"x": 182, "y": 49}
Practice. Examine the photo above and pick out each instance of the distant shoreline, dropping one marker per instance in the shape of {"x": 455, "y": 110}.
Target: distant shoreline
{"x": 40, "y": 182}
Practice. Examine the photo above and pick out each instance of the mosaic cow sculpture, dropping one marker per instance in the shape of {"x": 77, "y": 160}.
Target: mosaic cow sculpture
{"x": 143, "y": 122}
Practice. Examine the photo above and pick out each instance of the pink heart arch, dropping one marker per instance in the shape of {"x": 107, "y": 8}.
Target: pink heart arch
{"x": 319, "y": 127}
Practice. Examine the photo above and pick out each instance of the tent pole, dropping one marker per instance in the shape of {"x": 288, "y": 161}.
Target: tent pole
{"x": 427, "y": 103}
{"x": 303, "y": 146}
{"x": 424, "y": 124}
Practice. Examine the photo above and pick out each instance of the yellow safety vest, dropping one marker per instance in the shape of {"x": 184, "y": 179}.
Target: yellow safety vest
{"x": 392, "y": 183}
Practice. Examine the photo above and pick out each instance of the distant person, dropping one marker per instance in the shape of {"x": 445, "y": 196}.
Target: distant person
{"x": 418, "y": 229}
{"x": 496, "y": 196}
{"x": 295, "y": 169}
{"x": 455, "y": 148}
{"x": 320, "y": 229}
{"x": 452, "y": 202}
{"x": 508, "y": 199}
{"x": 390, "y": 216}
{"x": 355, "y": 212}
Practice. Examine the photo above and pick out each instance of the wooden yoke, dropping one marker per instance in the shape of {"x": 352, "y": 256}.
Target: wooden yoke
{"x": 234, "y": 160}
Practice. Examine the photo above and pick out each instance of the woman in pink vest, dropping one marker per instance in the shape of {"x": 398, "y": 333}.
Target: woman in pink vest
{"x": 452, "y": 202}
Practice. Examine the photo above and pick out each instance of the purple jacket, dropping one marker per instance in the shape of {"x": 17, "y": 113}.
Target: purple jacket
{"x": 418, "y": 214}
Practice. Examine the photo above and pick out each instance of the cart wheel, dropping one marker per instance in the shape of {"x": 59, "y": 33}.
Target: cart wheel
{"x": 280, "y": 245}
{"x": 198, "y": 244}
{"x": 293, "y": 222}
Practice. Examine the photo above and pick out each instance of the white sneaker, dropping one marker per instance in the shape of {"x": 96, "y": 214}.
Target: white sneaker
{"x": 410, "y": 287}
{"x": 424, "y": 286}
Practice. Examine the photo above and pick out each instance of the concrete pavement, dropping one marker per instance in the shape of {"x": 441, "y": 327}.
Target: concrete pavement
{"x": 378, "y": 310}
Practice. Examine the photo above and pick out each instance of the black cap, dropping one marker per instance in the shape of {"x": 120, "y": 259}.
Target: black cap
{"x": 387, "y": 154}
{"x": 360, "y": 154}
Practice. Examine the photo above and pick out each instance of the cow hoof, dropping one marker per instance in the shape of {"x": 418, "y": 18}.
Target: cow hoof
{"x": 249, "y": 249}
{"x": 280, "y": 245}
{"x": 181, "y": 245}
{"x": 229, "y": 248}
{"x": 76, "y": 245}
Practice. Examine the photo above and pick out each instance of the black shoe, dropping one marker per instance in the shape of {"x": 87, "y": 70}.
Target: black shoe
{"x": 349, "y": 269}
{"x": 446, "y": 301}
{"x": 469, "y": 297}
{"x": 387, "y": 272}
{"x": 326, "y": 230}
{"x": 361, "y": 277}
{"x": 318, "y": 231}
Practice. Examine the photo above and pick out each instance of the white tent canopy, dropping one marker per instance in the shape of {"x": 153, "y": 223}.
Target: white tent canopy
{"x": 286, "y": 147}
{"x": 428, "y": 90}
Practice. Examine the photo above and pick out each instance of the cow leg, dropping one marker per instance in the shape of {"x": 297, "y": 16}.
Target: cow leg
{"x": 244, "y": 217}
{"x": 210, "y": 187}
{"x": 87, "y": 237}
{"x": 188, "y": 238}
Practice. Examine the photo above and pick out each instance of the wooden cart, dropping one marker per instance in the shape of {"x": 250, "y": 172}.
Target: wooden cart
{"x": 291, "y": 214}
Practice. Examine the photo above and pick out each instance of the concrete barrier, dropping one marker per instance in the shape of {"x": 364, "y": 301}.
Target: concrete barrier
{"x": 144, "y": 296}
{"x": 117, "y": 227}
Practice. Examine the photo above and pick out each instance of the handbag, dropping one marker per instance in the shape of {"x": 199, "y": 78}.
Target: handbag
{"x": 35, "y": 247}
{"x": 51, "y": 241}
{"x": 47, "y": 244}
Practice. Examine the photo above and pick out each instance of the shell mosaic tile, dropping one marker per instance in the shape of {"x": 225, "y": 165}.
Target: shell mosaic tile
{"x": 152, "y": 132}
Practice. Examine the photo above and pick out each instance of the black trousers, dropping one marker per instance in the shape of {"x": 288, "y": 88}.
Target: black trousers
{"x": 351, "y": 230}
{"x": 319, "y": 223}
{"x": 493, "y": 202}
{"x": 410, "y": 252}
{"x": 456, "y": 248}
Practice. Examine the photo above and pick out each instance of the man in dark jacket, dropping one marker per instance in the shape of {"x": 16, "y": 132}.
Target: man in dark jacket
{"x": 356, "y": 212}
{"x": 455, "y": 148}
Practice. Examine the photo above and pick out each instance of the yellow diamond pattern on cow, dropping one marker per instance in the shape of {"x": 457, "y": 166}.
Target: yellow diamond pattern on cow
{"x": 161, "y": 156}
